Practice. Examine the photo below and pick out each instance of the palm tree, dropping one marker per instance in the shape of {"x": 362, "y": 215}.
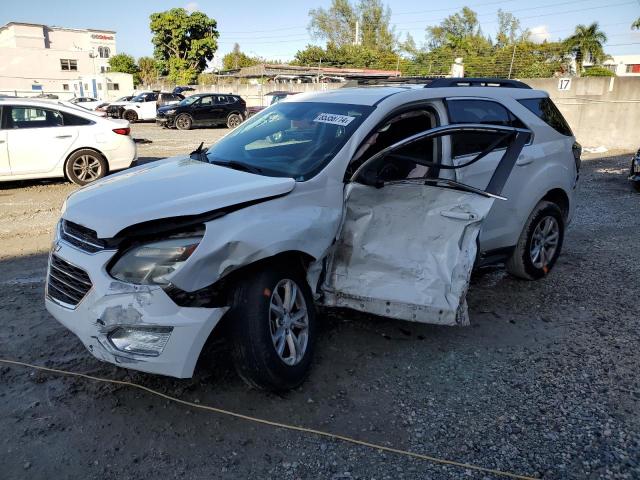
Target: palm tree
{"x": 636, "y": 25}
{"x": 587, "y": 43}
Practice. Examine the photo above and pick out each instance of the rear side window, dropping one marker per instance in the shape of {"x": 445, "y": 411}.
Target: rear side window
{"x": 547, "y": 111}
{"x": 74, "y": 120}
{"x": 484, "y": 112}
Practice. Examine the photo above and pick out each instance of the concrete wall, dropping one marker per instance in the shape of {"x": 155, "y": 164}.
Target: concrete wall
{"x": 601, "y": 111}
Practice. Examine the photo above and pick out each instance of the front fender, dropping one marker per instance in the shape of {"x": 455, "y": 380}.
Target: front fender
{"x": 292, "y": 222}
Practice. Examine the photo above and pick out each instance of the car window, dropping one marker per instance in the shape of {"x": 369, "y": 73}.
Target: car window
{"x": 547, "y": 111}
{"x": 295, "y": 139}
{"x": 74, "y": 120}
{"x": 221, "y": 100}
{"x": 392, "y": 131}
{"x": 151, "y": 97}
{"x": 208, "y": 100}
{"x": 33, "y": 117}
{"x": 478, "y": 111}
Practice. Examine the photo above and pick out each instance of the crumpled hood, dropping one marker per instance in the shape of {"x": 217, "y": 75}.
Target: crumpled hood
{"x": 167, "y": 188}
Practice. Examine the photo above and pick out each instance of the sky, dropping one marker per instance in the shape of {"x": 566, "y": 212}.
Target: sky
{"x": 277, "y": 29}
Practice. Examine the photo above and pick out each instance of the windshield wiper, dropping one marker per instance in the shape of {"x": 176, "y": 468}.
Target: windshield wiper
{"x": 199, "y": 154}
{"x": 238, "y": 166}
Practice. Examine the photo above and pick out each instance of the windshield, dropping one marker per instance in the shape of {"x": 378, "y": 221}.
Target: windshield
{"x": 189, "y": 100}
{"x": 140, "y": 97}
{"x": 290, "y": 139}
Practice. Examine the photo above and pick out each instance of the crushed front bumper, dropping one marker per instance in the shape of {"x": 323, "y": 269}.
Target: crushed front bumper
{"x": 165, "y": 121}
{"x": 110, "y": 304}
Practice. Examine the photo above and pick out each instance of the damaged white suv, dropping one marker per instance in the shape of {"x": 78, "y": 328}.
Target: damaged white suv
{"x": 375, "y": 199}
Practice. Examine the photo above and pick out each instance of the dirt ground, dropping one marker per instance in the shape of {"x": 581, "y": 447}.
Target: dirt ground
{"x": 543, "y": 383}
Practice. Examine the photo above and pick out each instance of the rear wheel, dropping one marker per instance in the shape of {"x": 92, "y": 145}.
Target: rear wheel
{"x": 539, "y": 244}
{"x": 85, "y": 166}
{"x": 234, "y": 120}
{"x": 272, "y": 321}
{"x": 183, "y": 122}
{"x": 130, "y": 116}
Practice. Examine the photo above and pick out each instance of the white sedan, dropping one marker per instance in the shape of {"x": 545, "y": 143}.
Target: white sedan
{"x": 46, "y": 138}
{"x": 89, "y": 103}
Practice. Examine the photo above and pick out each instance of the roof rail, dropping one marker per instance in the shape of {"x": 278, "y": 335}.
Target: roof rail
{"x": 476, "y": 82}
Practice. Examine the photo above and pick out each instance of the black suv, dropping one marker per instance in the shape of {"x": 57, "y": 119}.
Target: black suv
{"x": 204, "y": 109}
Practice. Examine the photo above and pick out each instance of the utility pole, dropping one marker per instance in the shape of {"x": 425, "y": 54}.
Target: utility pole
{"x": 398, "y": 67}
{"x": 356, "y": 40}
{"x": 319, "y": 67}
{"x": 513, "y": 56}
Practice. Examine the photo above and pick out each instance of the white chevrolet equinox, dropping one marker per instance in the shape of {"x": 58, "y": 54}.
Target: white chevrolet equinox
{"x": 378, "y": 199}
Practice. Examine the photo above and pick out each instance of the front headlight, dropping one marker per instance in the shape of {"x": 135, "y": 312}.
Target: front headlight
{"x": 151, "y": 263}
{"x": 170, "y": 112}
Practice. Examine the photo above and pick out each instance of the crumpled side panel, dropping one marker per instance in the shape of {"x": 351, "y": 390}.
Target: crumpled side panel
{"x": 290, "y": 223}
{"x": 398, "y": 256}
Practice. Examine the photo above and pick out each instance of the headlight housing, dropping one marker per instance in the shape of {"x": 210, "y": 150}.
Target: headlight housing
{"x": 151, "y": 263}
{"x": 170, "y": 112}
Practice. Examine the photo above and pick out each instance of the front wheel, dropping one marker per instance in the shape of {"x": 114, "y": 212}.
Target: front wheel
{"x": 183, "y": 122}
{"x": 234, "y": 120}
{"x": 539, "y": 244}
{"x": 272, "y": 321}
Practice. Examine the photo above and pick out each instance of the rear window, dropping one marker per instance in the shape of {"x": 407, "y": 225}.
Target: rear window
{"x": 547, "y": 111}
{"x": 485, "y": 112}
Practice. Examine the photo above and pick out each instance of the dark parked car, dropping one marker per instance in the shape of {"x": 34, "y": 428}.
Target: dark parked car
{"x": 183, "y": 89}
{"x": 634, "y": 174}
{"x": 271, "y": 97}
{"x": 204, "y": 109}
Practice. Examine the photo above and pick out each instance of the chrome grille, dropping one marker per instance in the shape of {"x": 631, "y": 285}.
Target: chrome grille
{"x": 82, "y": 237}
{"x": 66, "y": 283}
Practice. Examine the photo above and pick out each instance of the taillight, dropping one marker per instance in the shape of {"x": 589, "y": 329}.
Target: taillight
{"x": 122, "y": 131}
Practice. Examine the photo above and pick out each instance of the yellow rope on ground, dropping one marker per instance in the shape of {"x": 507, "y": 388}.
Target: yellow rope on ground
{"x": 296, "y": 428}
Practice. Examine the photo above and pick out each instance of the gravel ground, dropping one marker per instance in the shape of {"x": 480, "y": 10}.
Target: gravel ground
{"x": 543, "y": 383}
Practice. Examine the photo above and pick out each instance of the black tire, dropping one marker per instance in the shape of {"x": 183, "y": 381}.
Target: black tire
{"x": 250, "y": 319}
{"x": 636, "y": 185}
{"x": 130, "y": 116}
{"x": 521, "y": 263}
{"x": 183, "y": 122}
{"x": 234, "y": 120}
{"x": 95, "y": 166}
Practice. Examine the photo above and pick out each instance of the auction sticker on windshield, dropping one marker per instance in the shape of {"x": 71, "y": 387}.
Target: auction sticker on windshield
{"x": 334, "y": 119}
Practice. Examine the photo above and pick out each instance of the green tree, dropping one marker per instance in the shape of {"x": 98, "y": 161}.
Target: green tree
{"x": 337, "y": 24}
{"x": 125, "y": 63}
{"x": 457, "y": 30}
{"x": 238, "y": 59}
{"x": 508, "y": 29}
{"x": 636, "y": 25}
{"x": 587, "y": 43}
{"x": 598, "y": 71}
{"x": 148, "y": 70}
{"x": 183, "y": 43}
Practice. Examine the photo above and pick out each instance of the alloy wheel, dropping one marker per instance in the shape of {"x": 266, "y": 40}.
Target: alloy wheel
{"x": 544, "y": 242}
{"x": 87, "y": 168}
{"x": 289, "y": 322}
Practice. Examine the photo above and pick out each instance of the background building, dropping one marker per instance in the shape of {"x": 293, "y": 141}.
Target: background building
{"x": 624, "y": 65}
{"x": 68, "y": 62}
